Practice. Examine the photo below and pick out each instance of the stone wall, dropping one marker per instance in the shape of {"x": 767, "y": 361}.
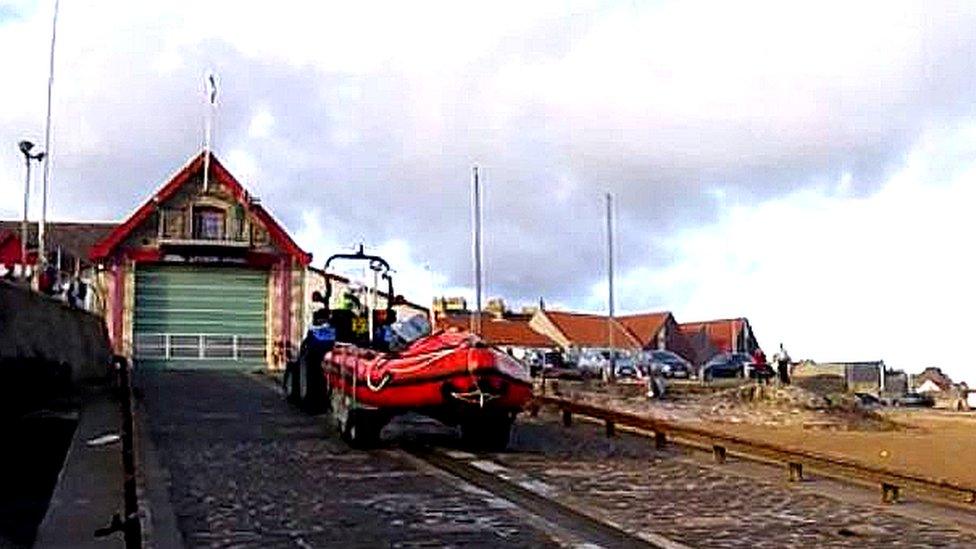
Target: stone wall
{"x": 37, "y": 329}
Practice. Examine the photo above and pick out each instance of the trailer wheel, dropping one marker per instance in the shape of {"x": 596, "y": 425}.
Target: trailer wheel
{"x": 489, "y": 434}
{"x": 311, "y": 387}
{"x": 289, "y": 383}
{"x": 361, "y": 429}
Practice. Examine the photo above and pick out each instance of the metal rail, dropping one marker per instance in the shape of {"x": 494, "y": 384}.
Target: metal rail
{"x": 580, "y": 524}
{"x": 891, "y": 482}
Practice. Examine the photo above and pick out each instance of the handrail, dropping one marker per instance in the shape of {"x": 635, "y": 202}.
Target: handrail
{"x": 793, "y": 456}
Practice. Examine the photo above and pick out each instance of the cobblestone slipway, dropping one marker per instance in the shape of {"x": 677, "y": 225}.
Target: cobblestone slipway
{"x": 247, "y": 470}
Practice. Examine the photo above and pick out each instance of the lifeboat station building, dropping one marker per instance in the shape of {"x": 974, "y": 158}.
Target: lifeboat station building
{"x": 201, "y": 276}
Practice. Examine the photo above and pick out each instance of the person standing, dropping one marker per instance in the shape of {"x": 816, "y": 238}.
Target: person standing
{"x": 783, "y": 365}
{"x": 761, "y": 366}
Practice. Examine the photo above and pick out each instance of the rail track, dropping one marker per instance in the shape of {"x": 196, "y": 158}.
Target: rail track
{"x": 582, "y": 528}
{"x": 891, "y": 483}
{"x": 584, "y": 492}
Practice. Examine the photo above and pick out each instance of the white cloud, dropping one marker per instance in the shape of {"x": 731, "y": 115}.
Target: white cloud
{"x": 245, "y": 168}
{"x": 415, "y": 278}
{"x": 767, "y": 123}
{"x": 888, "y": 276}
{"x": 261, "y": 124}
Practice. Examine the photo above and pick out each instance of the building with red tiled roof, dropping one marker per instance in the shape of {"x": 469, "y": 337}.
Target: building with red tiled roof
{"x": 72, "y": 241}
{"x": 727, "y": 335}
{"x": 695, "y": 345}
{"x": 583, "y": 330}
{"x": 510, "y": 331}
{"x": 660, "y": 331}
{"x": 650, "y": 329}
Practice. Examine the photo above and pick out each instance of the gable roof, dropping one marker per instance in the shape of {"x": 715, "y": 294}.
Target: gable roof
{"x": 720, "y": 333}
{"x": 936, "y": 376}
{"x": 74, "y": 238}
{"x": 278, "y": 235}
{"x": 645, "y": 326}
{"x": 587, "y": 330}
{"x": 505, "y": 331}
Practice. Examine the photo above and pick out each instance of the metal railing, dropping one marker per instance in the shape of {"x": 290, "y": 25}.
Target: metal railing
{"x": 184, "y": 346}
{"x": 891, "y": 482}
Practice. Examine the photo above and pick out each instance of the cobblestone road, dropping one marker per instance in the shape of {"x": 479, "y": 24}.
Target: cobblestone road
{"x": 626, "y": 481}
{"x": 249, "y": 471}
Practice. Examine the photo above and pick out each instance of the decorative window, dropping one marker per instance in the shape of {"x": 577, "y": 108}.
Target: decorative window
{"x": 259, "y": 235}
{"x": 208, "y": 224}
{"x": 172, "y": 221}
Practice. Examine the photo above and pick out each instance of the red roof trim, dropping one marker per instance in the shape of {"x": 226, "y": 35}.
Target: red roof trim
{"x": 105, "y": 247}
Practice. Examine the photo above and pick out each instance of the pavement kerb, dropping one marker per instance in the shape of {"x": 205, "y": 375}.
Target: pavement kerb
{"x": 89, "y": 486}
{"x": 159, "y": 525}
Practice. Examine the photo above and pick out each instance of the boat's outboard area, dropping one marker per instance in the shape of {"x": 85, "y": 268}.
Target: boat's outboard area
{"x": 367, "y": 366}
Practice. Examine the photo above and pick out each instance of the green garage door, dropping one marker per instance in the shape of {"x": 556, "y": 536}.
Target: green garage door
{"x": 200, "y": 317}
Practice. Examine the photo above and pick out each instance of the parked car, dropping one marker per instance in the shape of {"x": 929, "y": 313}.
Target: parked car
{"x": 867, "y": 400}
{"x": 916, "y": 400}
{"x": 666, "y": 363}
{"x": 735, "y": 365}
{"x": 553, "y": 365}
{"x": 592, "y": 363}
{"x": 626, "y": 367}
{"x": 533, "y": 360}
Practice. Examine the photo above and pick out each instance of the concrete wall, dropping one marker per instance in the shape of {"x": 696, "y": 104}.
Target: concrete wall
{"x": 810, "y": 369}
{"x": 39, "y": 329}
{"x": 896, "y": 383}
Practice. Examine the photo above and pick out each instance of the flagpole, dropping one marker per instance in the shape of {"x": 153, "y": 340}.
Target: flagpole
{"x": 610, "y": 320}
{"x": 476, "y": 249}
{"x": 41, "y": 257}
{"x": 211, "y": 87}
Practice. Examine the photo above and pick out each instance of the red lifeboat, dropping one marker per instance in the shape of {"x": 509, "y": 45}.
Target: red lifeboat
{"x": 452, "y": 376}
{"x": 443, "y": 370}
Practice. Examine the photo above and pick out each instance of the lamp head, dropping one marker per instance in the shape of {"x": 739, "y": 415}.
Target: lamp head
{"x": 25, "y": 147}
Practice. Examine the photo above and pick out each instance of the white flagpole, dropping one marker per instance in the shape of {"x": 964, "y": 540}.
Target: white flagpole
{"x": 211, "y": 87}
{"x": 610, "y": 302}
{"x": 41, "y": 257}
{"x": 476, "y": 249}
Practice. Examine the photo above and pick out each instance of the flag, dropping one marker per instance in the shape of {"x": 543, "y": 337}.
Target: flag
{"x": 212, "y": 88}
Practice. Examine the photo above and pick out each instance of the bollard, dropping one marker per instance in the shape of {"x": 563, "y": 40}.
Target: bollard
{"x": 660, "y": 440}
{"x": 890, "y": 493}
{"x": 567, "y": 418}
{"x": 719, "y": 453}
{"x": 796, "y": 471}
{"x": 611, "y": 428}
{"x": 132, "y": 526}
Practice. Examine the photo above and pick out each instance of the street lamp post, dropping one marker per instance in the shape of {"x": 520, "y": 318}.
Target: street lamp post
{"x": 26, "y": 147}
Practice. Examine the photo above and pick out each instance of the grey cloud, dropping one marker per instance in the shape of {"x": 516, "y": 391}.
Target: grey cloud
{"x": 380, "y": 159}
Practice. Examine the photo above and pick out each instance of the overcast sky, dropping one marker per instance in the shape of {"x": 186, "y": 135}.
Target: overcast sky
{"x": 809, "y": 167}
